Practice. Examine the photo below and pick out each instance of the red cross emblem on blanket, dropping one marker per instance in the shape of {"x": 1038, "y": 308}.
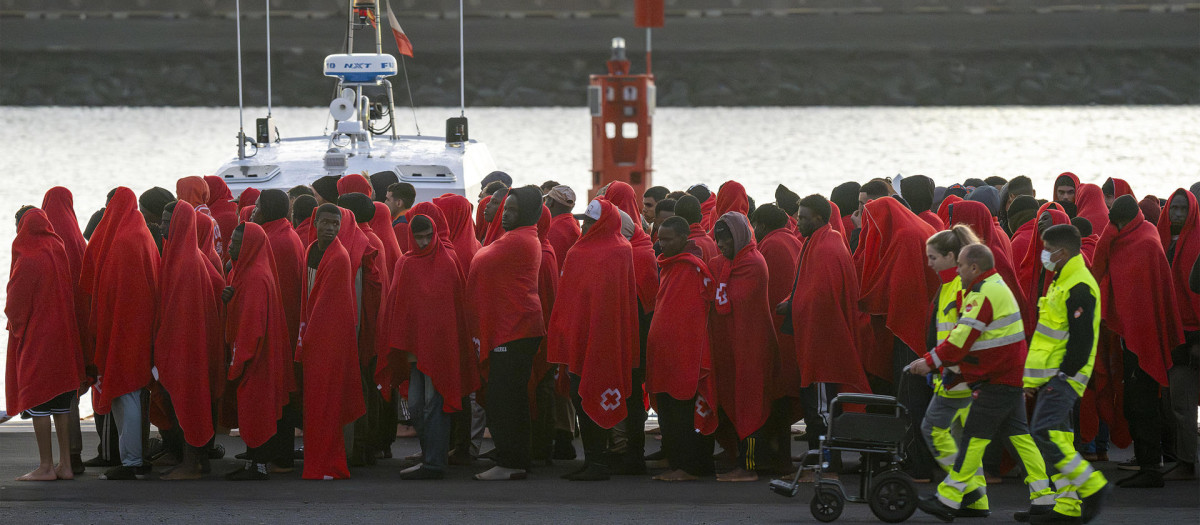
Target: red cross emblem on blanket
{"x": 610, "y": 399}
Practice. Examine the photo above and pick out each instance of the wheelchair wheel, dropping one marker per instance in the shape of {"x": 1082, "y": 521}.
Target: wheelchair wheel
{"x": 893, "y": 497}
{"x": 827, "y": 504}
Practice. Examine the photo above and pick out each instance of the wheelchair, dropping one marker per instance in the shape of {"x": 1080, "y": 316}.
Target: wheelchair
{"x": 877, "y": 433}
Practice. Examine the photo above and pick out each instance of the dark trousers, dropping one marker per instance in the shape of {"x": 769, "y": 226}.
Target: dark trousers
{"x": 594, "y": 437}
{"x": 544, "y": 420}
{"x": 914, "y": 393}
{"x": 431, "y": 422}
{"x": 815, "y": 398}
{"x": 1142, "y": 405}
{"x": 273, "y": 448}
{"x": 1184, "y": 378}
{"x": 635, "y": 419}
{"x": 366, "y": 428}
{"x": 106, "y": 428}
{"x": 686, "y": 449}
{"x": 508, "y": 401}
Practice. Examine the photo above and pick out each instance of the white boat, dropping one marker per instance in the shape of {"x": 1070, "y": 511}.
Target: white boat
{"x": 362, "y": 137}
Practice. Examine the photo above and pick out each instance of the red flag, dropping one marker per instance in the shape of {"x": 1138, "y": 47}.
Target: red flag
{"x": 648, "y": 13}
{"x": 402, "y": 41}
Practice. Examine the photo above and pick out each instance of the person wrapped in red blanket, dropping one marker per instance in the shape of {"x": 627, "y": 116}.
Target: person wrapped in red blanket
{"x": 333, "y": 393}
{"x": 257, "y": 332}
{"x": 44, "y": 367}
{"x": 742, "y": 337}
{"x": 593, "y": 331}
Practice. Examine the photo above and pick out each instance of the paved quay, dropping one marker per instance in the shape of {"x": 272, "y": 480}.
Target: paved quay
{"x": 377, "y": 495}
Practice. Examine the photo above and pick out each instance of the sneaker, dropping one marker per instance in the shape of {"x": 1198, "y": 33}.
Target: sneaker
{"x": 124, "y": 473}
{"x": 423, "y": 472}
{"x": 99, "y": 461}
{"x": 934, "y": 507}
{"x": 253, "y": 472}
{"x": 1130, "y": 464}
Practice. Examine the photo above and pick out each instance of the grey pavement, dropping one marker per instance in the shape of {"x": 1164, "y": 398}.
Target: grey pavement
{"x": 377, "y": 495}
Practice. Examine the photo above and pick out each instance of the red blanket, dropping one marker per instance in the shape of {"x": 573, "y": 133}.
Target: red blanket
{"x": 189, "y": 351}
{"x": 825, "y": 314}
{"x": 933, "y": 220}
{"x": 979, "y": 219}
{"x": 495, "y": 229}
{"x": 355, "y": 183}
{"x": 594, "y": 326}
{"x": 365, "y": 256}
{"x": 895, "y": 281}
{"x": 456, "y": 209}
{"x": 1120, "y": 187}
{"x": 45, "y": 357}
{"x": 547, "y": 292}
{"x": 257, "y": 331}
{"x": 381, "y": 224}
{"x": 423, "y": 317}
{"x": 224, "y": 211}
{"x": 374, "y": 287}
{"x": 731, "y": 196}
{"x": 678, "y": 356}
{"x": 1074, "y": 179}
{"x": 206, "y": 235}
{"x": 305, "y": 231}
{"x": 192, "y": 190}
{"x": 502, "y": 291}
{"x": 742, "y": 337}
{"x": 1187, "y": 249}
{"x": 564, "y": 231}
{"x": 120, "y": 274}
{"x": 59, "y": 206}
{"x": 1089, "y": 201}
{"x": 708, "y": 214}
{"x": 481, "y": 225}
{"x": 706, "y": 244}
{"x": 1034, "y": 278}
{"x": 287, "y": 252}
{"x": 1142, "y": 311}
{"x": 645, "y": 266}
{"x": 838, "y": 225}
{"x": 333, "y": 395}
{"x": 781, "y": 250}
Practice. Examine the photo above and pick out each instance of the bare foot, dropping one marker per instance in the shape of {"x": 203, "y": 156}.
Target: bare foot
{"x": 64, "y": 471}
{"x": 738, "y": 474}
{"x": 676, "y": 475}
{"x": 181, "y": 473}
{"x": 41, "y": 474}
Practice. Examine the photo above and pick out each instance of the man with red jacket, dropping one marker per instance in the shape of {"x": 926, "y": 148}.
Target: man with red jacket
{"x": 988, "y": 345}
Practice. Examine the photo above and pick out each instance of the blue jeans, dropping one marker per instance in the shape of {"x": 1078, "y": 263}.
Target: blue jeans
{"x": 432, "y": 424}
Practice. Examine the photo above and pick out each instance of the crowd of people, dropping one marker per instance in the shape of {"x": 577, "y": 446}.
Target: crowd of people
{"x": 1039, "y": 330}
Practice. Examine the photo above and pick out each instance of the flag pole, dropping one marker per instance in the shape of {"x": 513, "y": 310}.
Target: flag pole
{"x": 462, "y": 73}
{"x": 411, "y": 105}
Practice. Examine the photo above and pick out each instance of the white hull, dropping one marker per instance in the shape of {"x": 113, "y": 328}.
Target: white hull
{"x": 431, "y": 165}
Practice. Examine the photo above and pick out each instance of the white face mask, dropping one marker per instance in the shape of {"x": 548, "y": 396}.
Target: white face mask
{"x": 1046, "y": 262}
